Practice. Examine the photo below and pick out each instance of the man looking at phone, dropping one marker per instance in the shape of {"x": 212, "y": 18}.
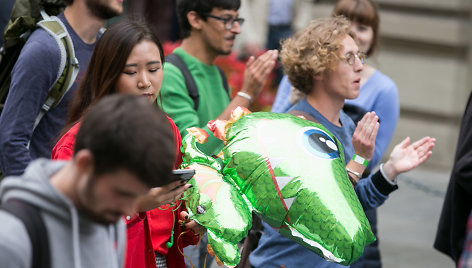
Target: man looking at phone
{"x": 124, "y": 147}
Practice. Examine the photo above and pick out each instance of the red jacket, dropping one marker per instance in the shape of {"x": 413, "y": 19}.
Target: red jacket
{"x": 149, "y": 231}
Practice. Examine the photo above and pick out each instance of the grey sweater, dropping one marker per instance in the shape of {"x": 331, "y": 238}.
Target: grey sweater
{"x": 75, "y": 241}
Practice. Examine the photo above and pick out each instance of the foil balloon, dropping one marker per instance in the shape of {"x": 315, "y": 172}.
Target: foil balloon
{"x": 215, "y": 204}
{"x": 291, "y": 172}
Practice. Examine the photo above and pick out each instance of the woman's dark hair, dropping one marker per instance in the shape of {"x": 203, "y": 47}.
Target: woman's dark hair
{"x": 107, "y": 63}
{"x": 363, "y": 12}
{"x": 201, "y": 7}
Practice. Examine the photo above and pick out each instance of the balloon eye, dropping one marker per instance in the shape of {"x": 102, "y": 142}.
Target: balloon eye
{"x": 320, "y": 144}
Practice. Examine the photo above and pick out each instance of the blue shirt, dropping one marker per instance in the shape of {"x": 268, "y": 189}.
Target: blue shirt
{"x": 280, "y": 12}
{"x": 32, "y": 76}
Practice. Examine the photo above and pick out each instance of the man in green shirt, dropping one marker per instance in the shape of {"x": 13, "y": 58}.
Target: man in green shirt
{"x": 208, "y": 28}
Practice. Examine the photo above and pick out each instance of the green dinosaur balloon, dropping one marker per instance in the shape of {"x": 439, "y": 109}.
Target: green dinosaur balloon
{"x": 291, "y": 171}
{"x": 215, "y": 204}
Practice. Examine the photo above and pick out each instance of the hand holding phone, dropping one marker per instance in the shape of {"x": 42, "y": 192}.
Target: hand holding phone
{"x": 184, "y": 175}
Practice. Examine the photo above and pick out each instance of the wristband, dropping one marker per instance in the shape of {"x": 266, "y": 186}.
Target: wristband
{"x": 360, "y": 160}
{"x": 244, "y": 95}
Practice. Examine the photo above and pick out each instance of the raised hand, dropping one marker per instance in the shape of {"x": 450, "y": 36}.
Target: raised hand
{"x": 406, "y": 156}
{"x": 364, "y": 136}
{"x": 257, "y": 70}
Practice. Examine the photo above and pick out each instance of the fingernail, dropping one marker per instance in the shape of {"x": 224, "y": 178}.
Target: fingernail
{"x": 191, "y": 185}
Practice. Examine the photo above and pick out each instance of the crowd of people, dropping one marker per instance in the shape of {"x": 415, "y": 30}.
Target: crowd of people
{"x": 94, "y": 173}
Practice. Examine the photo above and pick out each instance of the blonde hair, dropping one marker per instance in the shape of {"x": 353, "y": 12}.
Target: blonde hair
{"x": 313, "y": 51}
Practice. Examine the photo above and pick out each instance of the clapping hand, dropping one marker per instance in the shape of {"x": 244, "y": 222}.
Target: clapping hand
{"x": 363, "y": 139}
{"x": 257, "y": 71}
{"x": 406, "y": 156}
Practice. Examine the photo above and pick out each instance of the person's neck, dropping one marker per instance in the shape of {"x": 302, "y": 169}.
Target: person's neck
{"x": 195, "y": 47}
{"x": 84, "y": 23}
{"x": 65, "y": 181}
{"x": 326, "y": 105}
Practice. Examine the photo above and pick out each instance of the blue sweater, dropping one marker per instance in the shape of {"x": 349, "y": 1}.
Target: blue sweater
{"x": 32, "y": 76}
{"x": 274, "y": 249}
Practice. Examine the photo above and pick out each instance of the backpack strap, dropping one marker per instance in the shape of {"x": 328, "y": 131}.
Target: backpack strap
{"x": 307, "y": 116}
{"x": 68, "y": 68}
{"x": 225, "y": 82}
{"x": 34, "y": 224}
{"x": 190, "y": 82}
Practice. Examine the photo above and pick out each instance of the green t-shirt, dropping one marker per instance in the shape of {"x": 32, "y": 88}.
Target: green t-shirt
{"x": 176, "y": 102}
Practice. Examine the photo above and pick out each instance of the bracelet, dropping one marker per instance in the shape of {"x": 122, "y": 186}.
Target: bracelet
{"x": 244, "y": 95}
{"x": 357, "y": 174}
{"x": 360, "y": 160}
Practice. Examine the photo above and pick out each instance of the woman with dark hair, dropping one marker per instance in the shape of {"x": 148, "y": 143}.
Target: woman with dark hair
{"x": 128, "y": 59}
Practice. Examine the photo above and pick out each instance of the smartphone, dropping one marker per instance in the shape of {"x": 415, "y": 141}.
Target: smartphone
{"x": 183, "y": 175}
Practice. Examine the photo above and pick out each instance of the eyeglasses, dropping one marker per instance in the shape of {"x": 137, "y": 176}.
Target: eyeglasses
{"x": 350, "y": 58}
{"x": 228, "y": 21}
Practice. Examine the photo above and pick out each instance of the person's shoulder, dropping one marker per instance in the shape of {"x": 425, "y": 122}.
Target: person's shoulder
{"x": 40, "y": 48}
{"x": 64, "y": 148}
{"x": 42, "y": 40}
{"x": 383, "y": 80}
{"x": 346, "y": 120}
{"x": 15, "y": 246}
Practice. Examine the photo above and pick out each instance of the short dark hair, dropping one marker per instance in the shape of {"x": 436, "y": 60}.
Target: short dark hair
{"x": 200, "y": 7}
{"x": 107, "y": 63}
{"x": 68, "y": 2}
{"x": 127, "y": 132}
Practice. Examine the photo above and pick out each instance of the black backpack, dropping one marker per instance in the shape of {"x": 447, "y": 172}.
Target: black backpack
{"x": 37, "y": 232}
{"x": 190, "y": 82}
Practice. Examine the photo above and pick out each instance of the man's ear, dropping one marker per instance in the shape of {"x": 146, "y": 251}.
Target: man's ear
{"x": 194, "y": 20}
{"x": 84, "y": 162}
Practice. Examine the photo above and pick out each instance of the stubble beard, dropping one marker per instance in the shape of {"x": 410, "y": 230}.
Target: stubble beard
{"x": 91, "y": 201}
{"x": 101, "y": 10}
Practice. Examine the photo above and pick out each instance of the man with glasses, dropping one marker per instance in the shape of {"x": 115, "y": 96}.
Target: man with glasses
{"x": 208, "y": 29}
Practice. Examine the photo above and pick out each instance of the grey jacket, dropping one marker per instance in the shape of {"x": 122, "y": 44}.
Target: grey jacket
{"x": 75, "y": 241}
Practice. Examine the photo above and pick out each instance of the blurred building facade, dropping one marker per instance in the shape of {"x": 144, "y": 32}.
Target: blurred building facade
{"x": 426, "y": 48}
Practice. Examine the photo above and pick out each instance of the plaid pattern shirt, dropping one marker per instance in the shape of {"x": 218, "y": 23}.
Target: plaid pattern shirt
{"x": 466, "y": 258}
{"x": 160, "y": 260}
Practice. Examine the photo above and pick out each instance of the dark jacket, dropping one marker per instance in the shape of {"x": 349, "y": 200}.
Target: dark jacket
{"x": 458, "y": 201}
